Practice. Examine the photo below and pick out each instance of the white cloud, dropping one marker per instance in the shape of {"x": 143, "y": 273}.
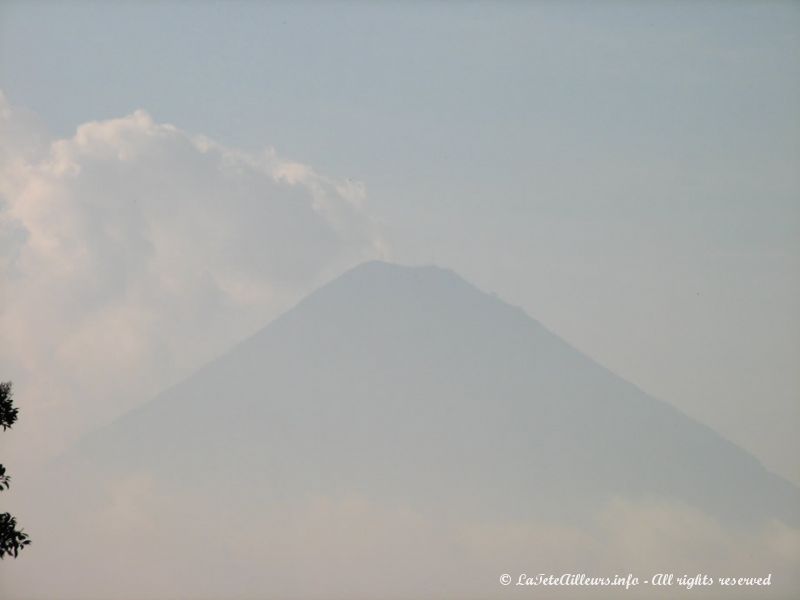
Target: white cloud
{"x": 133, "y": 251}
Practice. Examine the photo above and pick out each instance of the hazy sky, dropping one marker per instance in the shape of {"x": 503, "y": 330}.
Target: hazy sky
{"x": 624, "y": 171}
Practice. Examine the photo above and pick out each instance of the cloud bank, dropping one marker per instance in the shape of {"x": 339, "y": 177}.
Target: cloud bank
{"x": 133, "y": 251}
{"x": 145, "y": 538}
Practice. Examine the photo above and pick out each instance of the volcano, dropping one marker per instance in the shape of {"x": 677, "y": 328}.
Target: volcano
{"x": 411, "y": 384}
{"x": 401, "y": 434}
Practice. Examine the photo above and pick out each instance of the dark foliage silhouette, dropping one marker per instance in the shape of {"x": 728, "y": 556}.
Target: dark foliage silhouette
{"x": 12, "y": 540}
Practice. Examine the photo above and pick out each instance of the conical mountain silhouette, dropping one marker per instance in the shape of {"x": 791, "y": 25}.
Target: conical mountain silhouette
{"x": 412, "y": 384}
